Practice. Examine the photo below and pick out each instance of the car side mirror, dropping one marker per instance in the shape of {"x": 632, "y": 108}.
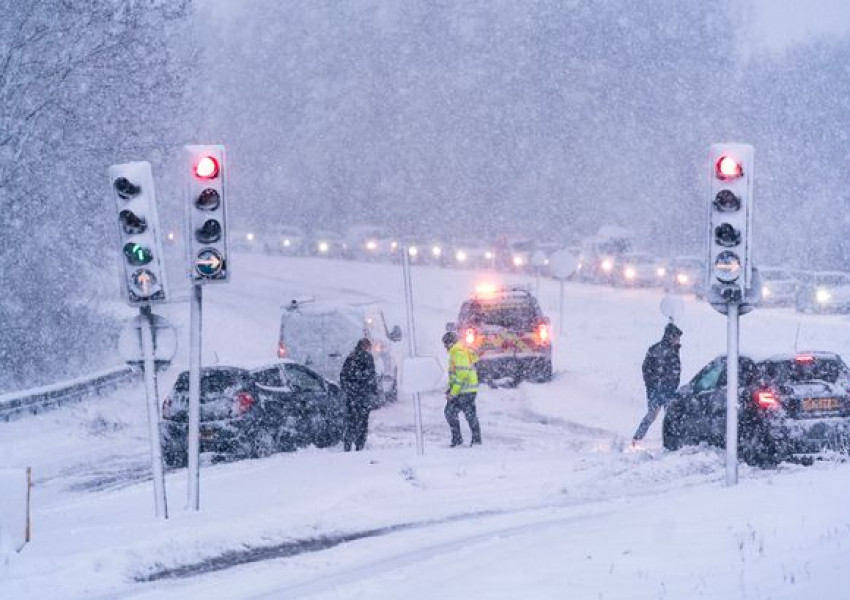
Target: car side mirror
{"x": 395, "y": 334}
{"x": 450, "y": 326}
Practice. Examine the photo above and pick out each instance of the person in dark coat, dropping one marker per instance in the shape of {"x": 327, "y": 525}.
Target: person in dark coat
{"x": 359, "y": 382}
{"x": 662, "y": 370}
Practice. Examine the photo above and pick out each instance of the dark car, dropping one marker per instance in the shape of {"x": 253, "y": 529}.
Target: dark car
{"x": 789, "y": 405}
{"x": 253, "y": 413}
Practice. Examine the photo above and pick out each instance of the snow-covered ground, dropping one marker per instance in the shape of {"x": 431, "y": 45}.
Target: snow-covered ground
{"x": 551, "y": 506}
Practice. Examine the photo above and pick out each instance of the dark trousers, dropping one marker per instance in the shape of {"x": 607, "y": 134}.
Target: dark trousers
{"x": 462, "y": 403}
{"x": 356, "y": 427}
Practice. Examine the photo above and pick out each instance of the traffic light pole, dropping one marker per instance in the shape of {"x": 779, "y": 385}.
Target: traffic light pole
{"x": 154, "y": 417}
{"x": 194, "y": 446}
{"x": 732, "y": 341}
{"x": 411, "y": 343}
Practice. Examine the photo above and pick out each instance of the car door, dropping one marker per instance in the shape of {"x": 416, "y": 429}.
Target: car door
{"x": 702, "y": 400}
{"x": 715, "y": 402}
{"x": 278, "y": 411}
{"x": 311, "y": 395}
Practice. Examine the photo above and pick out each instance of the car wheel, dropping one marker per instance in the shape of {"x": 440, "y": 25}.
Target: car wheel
{"x": 758, "y": 447}
{"x": 671, "y": 432}
{"x": 541, "y": 371}
{"x": 174, "y": 457}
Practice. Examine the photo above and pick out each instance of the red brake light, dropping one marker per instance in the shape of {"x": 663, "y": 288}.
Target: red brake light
{"x": 207, "y": 168}
{"x": 543, "y": 332}
{"x": 470, "y": 336}
{"x": 765, "y": 399}
{"x": 243, "y": 403}
{"x": 282, "y": 350}
{"x": 804, "y": 358}
{"x": 728, "y": 167}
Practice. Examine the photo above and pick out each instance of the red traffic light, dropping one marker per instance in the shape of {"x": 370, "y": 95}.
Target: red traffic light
{"x": 728, "y": 167}
{"x": 206, "y": 168}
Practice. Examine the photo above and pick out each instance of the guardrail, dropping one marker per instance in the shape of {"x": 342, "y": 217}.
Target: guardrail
{"x": 37, "y": 400}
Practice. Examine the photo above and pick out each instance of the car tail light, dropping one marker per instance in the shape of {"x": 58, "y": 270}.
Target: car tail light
{"x": 282, "y": 350}
{"x": 804, "y": 358}
{"x": 543, "y": 332}
{"x": 166, "y": 407}
{"x": 765, "y": 399}
{"x": 243, "y": 401}
{"x": 470, "y": 336}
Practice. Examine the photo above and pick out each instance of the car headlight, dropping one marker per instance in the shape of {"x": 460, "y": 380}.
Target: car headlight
{"x": 765, "y": 291}
{"x": 661, "y": 272}
{"x": 822, "y": 295}
{"x": 630, "y": 273}
{"x": 323, "y": 247}
{"x": 607, "y": 265}
{"x": 683, "y": 278}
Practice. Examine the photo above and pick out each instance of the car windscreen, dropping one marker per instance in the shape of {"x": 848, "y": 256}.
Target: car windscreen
{"x": 516, "y": 315}
{"x": 798, "y": 371}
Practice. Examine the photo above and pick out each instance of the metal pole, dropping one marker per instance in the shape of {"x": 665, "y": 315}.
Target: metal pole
{"x": 561, "y": 308}
{"x": 732, "y": 395}
{"x": 411, "y": 344}
{"x": 194, "y": 446}
{"x": 146, "y": 322}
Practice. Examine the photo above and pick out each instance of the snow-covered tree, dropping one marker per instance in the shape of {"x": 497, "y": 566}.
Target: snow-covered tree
{"x": 83, "y": 84}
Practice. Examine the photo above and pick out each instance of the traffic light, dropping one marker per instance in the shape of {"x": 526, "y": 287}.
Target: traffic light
{"x": 205, "y": 171}
{"x": 730, "y": 219}
{"x": 131, "y": 185}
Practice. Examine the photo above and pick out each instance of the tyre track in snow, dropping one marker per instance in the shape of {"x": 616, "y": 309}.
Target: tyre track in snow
{"x": 604, "y": 491}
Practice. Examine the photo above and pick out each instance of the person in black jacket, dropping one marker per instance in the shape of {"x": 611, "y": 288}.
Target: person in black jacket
{"x": 662, "y": 369}
{"x": 360, "y": 384}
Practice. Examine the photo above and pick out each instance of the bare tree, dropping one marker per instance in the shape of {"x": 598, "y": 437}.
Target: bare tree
{"x": 83, "y": 84}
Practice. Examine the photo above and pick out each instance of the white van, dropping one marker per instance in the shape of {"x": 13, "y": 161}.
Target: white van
{"x": 322, "y": 334}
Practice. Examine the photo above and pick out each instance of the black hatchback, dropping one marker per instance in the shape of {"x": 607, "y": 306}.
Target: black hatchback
{"x": 788, "y": 405}
{"x": 252, "y": 413}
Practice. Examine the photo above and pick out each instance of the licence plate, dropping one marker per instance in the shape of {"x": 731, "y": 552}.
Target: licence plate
{"x": 820, "y": 403}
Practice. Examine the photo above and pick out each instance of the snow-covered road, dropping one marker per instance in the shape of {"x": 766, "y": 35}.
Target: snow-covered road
{"x": 549, "y": 507}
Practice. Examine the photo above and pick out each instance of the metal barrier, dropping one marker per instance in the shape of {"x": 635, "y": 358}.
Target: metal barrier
{"x": 38, "y": 400}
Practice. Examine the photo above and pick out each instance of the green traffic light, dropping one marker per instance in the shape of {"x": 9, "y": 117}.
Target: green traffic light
{"x": 137, "y": 254}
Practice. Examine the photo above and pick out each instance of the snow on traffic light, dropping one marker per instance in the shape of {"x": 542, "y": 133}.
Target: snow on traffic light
{"x": 131, "y": 186}
{"x": 730, "y": 220}
{"x": 206, "y": 214}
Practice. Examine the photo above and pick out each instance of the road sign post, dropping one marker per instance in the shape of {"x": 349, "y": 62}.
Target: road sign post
{"x": 205, "y": 173}
{"x": 411, "y": 344}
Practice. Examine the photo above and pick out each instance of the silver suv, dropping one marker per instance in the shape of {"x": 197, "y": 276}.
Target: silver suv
{"x": 322, "y": 334}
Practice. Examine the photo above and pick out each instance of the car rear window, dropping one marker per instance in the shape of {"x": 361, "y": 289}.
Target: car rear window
{"x": 798, "y": 371}
{"x": 519, "y": 314}
{"x": 213, "y": 382}
{"x": 307, "y": 334}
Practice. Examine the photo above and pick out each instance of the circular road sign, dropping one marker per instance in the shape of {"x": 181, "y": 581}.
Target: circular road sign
{"x": 209, "y": 262}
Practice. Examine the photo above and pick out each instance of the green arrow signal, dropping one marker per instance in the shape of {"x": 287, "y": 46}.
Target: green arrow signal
{"x": 137, "y": 254}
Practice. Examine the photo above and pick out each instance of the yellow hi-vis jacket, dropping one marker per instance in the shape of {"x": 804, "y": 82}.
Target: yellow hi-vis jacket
{"x": 463, "y": 378}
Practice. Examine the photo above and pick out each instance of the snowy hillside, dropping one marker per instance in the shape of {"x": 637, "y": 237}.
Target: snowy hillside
{"x": 551, "y": 506}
